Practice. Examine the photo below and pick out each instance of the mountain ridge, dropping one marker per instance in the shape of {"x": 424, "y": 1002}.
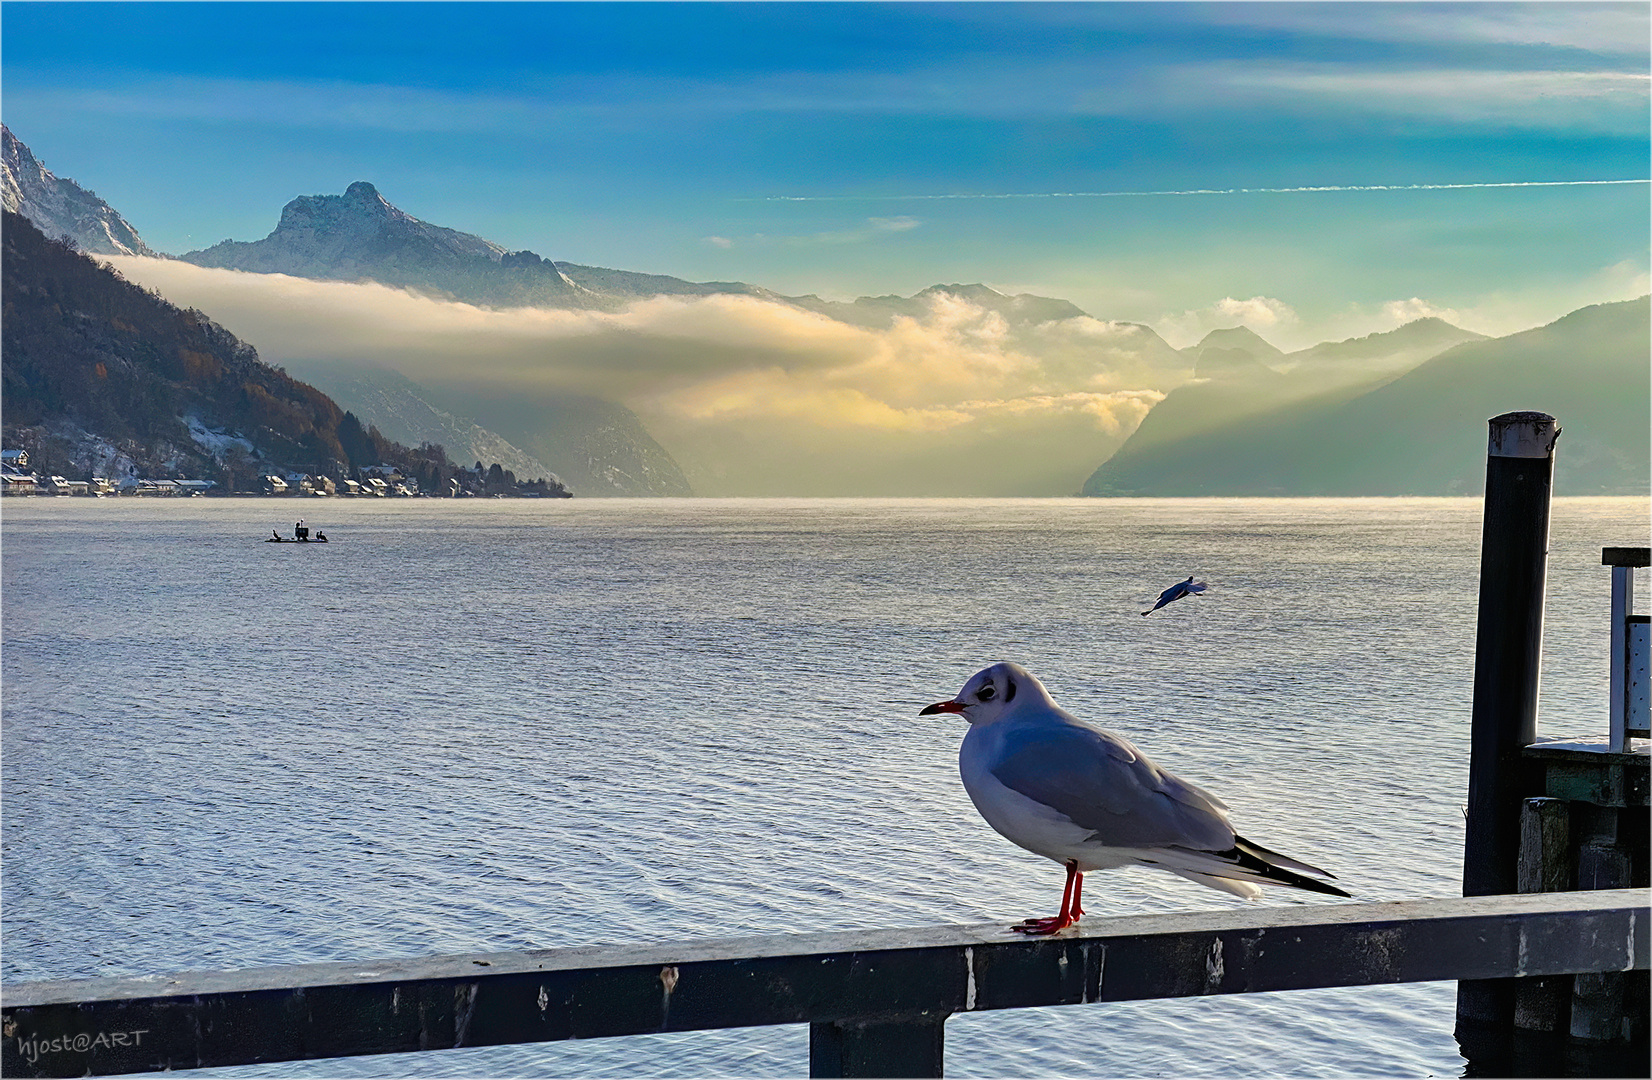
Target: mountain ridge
{"x": 59, "y": 207}
{"x": 1238, "y": 373}
{"x": 405, "y": 411}
{"x": 1422, "y": 432}
{"x": 360, "y": 235}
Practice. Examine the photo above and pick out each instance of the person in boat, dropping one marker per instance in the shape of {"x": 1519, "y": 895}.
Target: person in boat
{"x": 300, "y": 531}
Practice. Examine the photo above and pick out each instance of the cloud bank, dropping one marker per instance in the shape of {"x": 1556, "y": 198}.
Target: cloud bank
{"x": 957, "y": 401}
{"x": 761, "y": 398}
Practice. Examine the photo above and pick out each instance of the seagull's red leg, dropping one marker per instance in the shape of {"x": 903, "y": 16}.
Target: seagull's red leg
{"x": 1069, "y": 907}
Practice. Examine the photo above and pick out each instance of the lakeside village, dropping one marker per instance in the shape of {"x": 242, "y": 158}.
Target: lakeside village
{"x": 376, "y": 481}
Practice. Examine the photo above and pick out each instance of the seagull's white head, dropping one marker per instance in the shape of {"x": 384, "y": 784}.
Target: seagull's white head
{"x": 992, "y": 693}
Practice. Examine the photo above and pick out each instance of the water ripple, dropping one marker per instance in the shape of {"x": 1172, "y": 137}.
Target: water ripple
{"x": 524, "y": 725}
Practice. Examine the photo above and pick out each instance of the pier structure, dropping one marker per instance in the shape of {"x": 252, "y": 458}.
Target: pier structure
{"x": 1551, "y": 942}
{"x": 1548, "y": 816}
{"x": 876, "y": 1002}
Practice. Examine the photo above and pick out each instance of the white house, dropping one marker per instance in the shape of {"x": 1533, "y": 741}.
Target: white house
{"x": 13, "y": 482}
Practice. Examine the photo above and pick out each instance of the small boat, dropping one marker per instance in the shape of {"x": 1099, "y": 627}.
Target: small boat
{"x": 292, "y": 540}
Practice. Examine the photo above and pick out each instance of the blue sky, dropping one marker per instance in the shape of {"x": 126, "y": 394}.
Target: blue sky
{"x": 801, "y": 146}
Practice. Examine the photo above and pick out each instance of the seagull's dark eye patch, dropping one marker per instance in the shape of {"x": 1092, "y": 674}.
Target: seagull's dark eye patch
{"x": 986, "y": 693}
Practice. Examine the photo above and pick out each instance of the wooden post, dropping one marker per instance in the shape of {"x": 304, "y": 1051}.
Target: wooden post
{"x": 907, "y": 1046}
{"x": 1508, "y": 646}
{"x": 1623, "y": 602}
{"x": 1598, "y": 1011}
{"x": 1544, "y": 1004}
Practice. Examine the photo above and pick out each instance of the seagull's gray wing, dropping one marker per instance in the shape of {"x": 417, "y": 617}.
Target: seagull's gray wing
{"x": 1104, "y": 784}
{"x": 1164, "y": 598}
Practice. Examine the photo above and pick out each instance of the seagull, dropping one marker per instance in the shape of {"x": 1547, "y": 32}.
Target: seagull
{"x": 1088, "y": 799}
{"x": 1177, "y": 591}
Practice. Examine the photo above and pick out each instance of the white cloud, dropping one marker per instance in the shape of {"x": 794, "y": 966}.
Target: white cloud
{"x": 872, "y": 229}
{"x": 1600, "y": 100}
{"x": 1262, "y": 314}
{"x": 1604, "y": 28}
{"x": 1400, "y": 312}
{"x": 1258, "y": 311}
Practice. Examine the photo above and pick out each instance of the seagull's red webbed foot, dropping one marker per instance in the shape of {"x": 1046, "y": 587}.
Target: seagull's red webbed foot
{"x": 1041, "y": 927}
{"x": 1070, "y": 911}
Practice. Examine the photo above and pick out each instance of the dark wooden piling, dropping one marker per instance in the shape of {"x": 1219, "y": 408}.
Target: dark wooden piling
{"x": 1508, "y": 648}
{"x": 1543, "y": 1004}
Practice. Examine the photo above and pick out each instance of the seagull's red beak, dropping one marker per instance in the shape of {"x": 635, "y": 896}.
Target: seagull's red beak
{"x": 940, "y": 707}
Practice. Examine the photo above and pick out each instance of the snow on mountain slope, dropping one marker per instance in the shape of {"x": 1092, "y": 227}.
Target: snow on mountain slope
{"x": 59, "y": 207}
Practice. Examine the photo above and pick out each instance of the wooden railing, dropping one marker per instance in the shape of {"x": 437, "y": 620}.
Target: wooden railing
{"x": 876, "y": 1001}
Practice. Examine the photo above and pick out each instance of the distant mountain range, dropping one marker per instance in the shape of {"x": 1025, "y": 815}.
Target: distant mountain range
{"x": 1381, "y": 414}
{"x": 1238, "y": 375}
{"x": 1422, "y": 432}
{"x": 359, "y": 236}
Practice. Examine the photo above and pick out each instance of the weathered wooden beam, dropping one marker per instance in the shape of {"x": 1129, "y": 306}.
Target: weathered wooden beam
{"x": 1578, "y": 773}
{"x": 103, "y": 1026}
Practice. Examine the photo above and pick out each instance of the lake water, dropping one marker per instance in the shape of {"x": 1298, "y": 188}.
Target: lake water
{"x": 491, "y": 725}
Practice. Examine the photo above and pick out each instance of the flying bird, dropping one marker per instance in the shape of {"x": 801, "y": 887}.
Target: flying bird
{"x": 1088, "y": 799}
{"x": 1177, "y": 591}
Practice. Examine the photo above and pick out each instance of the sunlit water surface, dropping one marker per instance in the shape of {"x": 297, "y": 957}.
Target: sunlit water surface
{"x": 504, "y": 725}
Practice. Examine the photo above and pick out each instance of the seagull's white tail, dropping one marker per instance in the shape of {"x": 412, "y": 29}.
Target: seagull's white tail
{"x": 1242, "y": 889}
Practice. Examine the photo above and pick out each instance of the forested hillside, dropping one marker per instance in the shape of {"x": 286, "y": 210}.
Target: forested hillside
{"x": 99, "y": 372}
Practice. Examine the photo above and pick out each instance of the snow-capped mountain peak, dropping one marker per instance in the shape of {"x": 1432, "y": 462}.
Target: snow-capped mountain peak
{"x": 59, "y": 207}
{"x": 360, "y": 235}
